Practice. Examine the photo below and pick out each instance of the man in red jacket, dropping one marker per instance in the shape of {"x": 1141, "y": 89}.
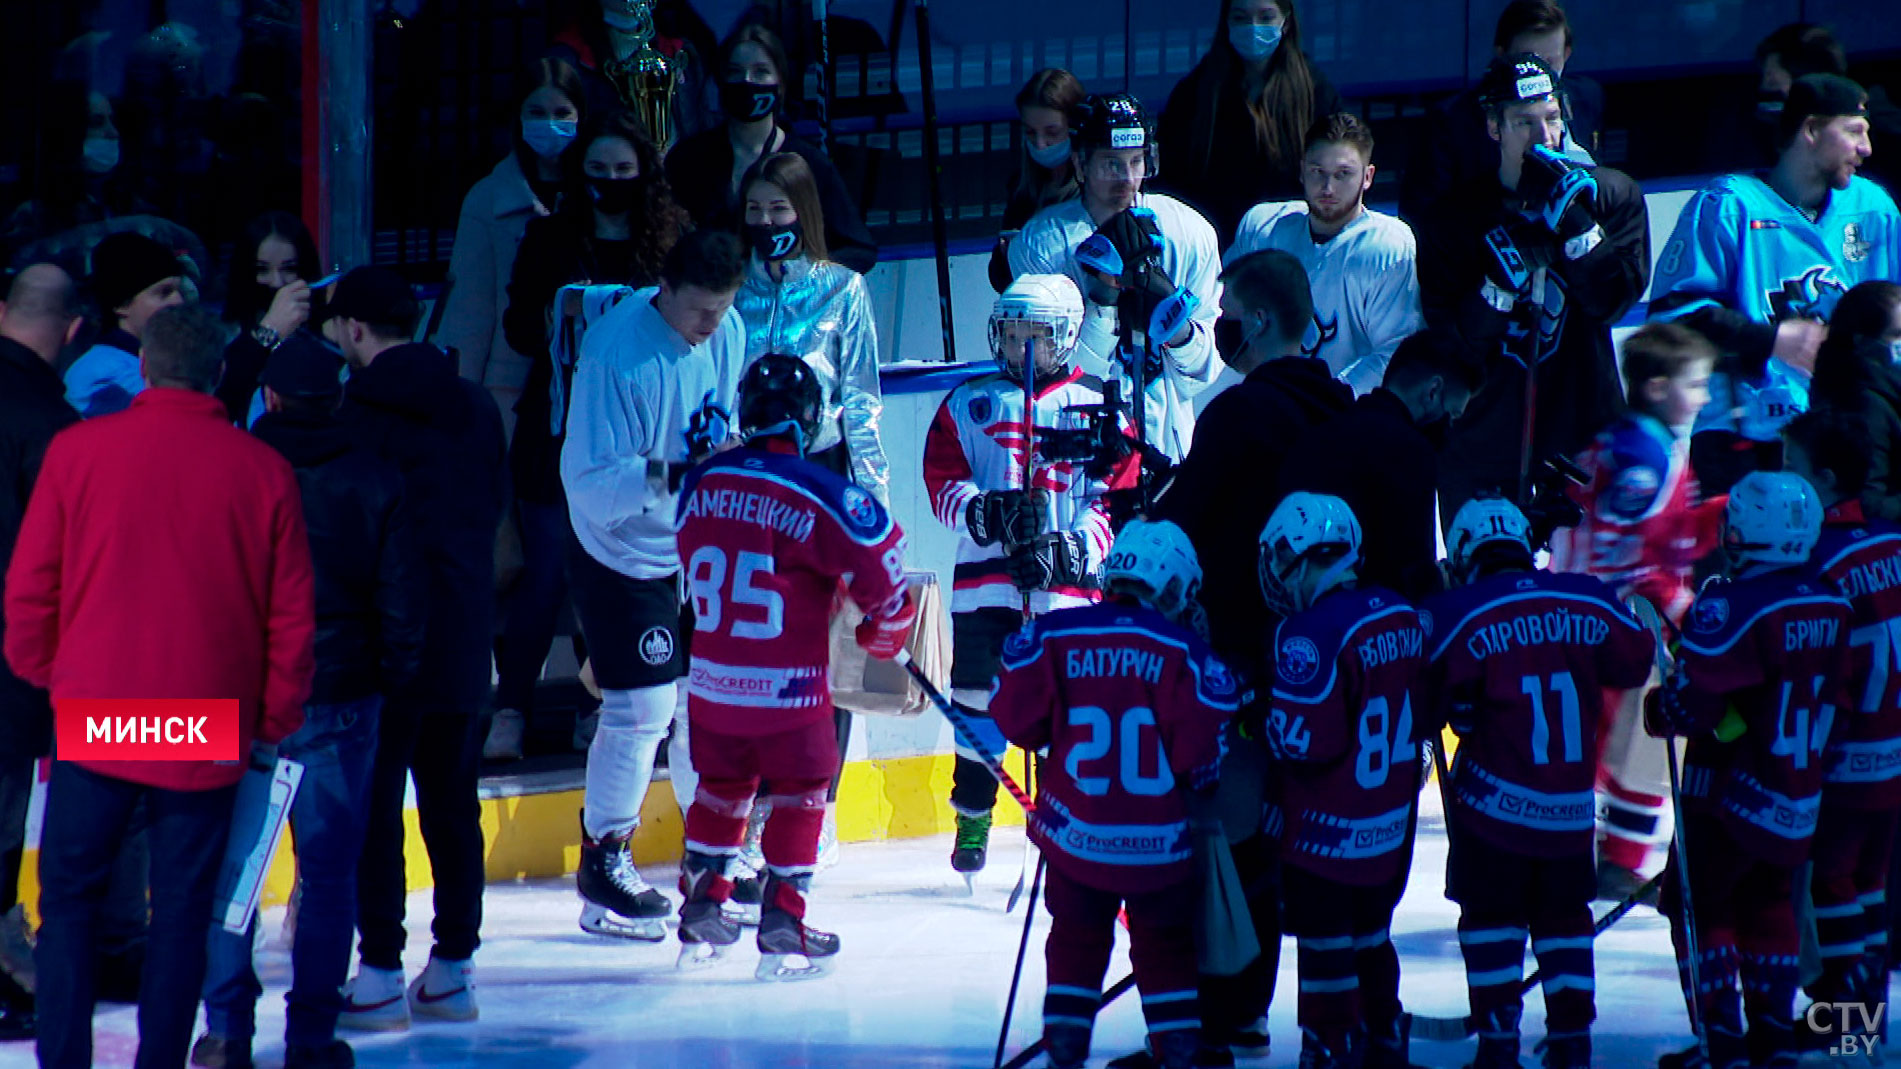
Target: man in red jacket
{"x": 163, "y": 555}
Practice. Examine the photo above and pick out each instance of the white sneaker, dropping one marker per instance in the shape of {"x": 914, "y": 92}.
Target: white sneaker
{"x": 373, "y": 1002}
{"x": 504, "y": 736}
{"x": 445, "y": 990}
{"x": 584, "y": 728}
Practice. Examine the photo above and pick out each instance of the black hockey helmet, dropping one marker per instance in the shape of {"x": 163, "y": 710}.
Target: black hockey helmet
{"x": 778, "y": 395}
{"x": 1115, "y": 120}
{"x": 1514, "y": 79}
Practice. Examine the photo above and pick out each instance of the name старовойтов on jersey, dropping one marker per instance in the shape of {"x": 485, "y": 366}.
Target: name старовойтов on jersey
{"x": 1115, "y": 662}
{"x": 1556, "y": 626}
{"x": 760, "y": 509}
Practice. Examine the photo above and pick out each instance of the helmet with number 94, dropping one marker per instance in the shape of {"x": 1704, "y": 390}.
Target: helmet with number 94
{"x": 1492, "y": 524}
{"x": 1309, "y": 546}
{"x": 1154, "y": 560}
{"x": 1772, "y": 517}
{"x": 1043, "y": 313}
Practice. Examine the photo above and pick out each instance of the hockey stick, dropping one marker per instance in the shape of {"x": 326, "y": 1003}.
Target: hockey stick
{"x": 1028, "y": 1054}
{"x": 1029, "y": 610}
{"x": 1016, "y": 978}
{"x": 1029, "y": 848}
{"x": 960, "y": 723}
{"x": 1454, "y": 1029}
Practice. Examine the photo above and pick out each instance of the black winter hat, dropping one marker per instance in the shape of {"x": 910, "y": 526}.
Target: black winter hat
{"x": 1826, "y": 96}
{"x": 303, "y": 367}
{"x": 124, "y": 264}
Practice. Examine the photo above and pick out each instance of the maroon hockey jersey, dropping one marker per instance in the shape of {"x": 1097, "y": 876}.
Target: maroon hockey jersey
{"x": 1132, "y": 710}
{"x": 765, "y": 539}
{"x": 1347, "y": 675}
{"x": 1861, "y": 561}
{"x": 1519, "y": 664}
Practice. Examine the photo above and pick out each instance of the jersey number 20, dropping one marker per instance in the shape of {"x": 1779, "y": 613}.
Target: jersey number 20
{"x": 706, "y": 585}
{"x": 1124, "y": 735}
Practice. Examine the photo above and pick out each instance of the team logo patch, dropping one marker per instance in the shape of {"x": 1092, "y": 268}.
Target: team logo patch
{"x": 1220, "y": 681}
{"x": 1855, "y": 248}
{"x": 1810, "y": 295}
{"x": 656, "y": 646}
{"x": 980, "y": 409}
{"x": 1425, "y": 621}
{"x": 1298, "y": 660}
{"x": 859, "y": 508}
{"x": 1634, "y": 489}
{"x": 1019, "y": 642}
{"x": 1710, "y": 614}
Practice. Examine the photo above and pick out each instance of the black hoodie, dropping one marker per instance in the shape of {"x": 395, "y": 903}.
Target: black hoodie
{"x": 1224, "y": 491}
{"x": 370, "y": 589}
{"x": 444, "y": 434}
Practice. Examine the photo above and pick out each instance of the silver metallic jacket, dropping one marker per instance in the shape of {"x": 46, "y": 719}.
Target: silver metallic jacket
{"x": 821, "y": 313}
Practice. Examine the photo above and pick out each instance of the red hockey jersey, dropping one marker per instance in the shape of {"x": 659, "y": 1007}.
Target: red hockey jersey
{"x": 1347, "y": 687}
{"x": 1518, "y": 663}
{"x": 1861, "y": 561}
{"x": 1773, "y": 647}
{"x": 765, "y": 539}
{"x": 1132, "y": 708}
{"x": 1644, "y": 527}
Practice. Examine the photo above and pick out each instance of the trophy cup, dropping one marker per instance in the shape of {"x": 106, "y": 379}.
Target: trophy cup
{"x": 645, "y": 80}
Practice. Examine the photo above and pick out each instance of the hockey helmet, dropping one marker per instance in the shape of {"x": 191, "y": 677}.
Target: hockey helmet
{"x": 1306, "y": 531}
{"x": 1490, "y": 523}
{"x": 780, "y": 395}
{"x": 1157, "y": 563}
{"x": 1515, "y": 79}
{"x": 1116, "y": 121}
{"x": 1049, "y": 300}
{"x": 1772, "y": 517}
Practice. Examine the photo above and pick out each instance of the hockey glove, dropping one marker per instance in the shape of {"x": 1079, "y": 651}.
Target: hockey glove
{"x": 1564, "y": 196}
{"x": 1012, "y": 517}
{"x": 1136, "y": 237}
{"x": 883, "y": 634}
{"x": 1665, "y": 714}
{"x": 1507, "y": 276}
{"x": 1050, "y": 561}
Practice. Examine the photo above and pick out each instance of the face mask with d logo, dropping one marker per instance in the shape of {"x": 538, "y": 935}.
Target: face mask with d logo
{"x": 775, "y": 242}
{"x": 748, "y": 101}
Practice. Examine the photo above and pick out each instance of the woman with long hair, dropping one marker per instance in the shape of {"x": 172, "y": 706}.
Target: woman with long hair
{"x": 1048, "y": 106}
{"x": 526, "y": 184}
{"x": 614, "y": 229}
{"x": 267, "y": 295}
{"x": 1856, "y": 375}
{"x": 1231, "y": 133}
{"x": 709, "y": 168}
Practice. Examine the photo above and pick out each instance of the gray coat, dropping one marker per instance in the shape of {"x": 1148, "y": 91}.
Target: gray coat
{"x": 494, "y": 215}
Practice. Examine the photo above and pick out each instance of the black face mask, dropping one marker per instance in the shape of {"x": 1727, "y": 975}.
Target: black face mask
{"x": 748, "y": 101}
{"x": 774, "y": 242}
{"x": 1231, "y": 338}
{"x": 615, "y": 196}
{"x": 1437, "y": 432}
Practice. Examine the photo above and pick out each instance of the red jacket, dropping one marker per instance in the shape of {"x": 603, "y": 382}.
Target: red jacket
{"x": 163, "y": 555}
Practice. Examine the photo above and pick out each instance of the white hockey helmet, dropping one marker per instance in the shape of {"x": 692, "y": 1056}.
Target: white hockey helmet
{"x": 1051, "y": 300}
{"x": 1305, "y": 531}
{"x": 1157, "y": 560}
{"x": 1773, "y": 517}
{"x": 1487, "y": 520}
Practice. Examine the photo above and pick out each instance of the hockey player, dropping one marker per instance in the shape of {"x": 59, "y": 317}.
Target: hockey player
{"x": 1766, "y": 650}
{"x": 1645, "y": 525}
{"x": 1860, "y": 559}
{"x": 767, "y": 537}
{"x": 1757, "y": 262}
{"x": 653, "y": 395}
{"x": 1133, "y": 710}
{"x": 1347, "y": 661}
{"x": 1115, "y": 152}
{"x": 1519, "y": 657}
{"x": 1359, "y": 261}
{"x": 1049, "y": 540}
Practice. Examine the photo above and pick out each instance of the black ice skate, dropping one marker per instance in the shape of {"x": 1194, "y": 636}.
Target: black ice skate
{"x": 705, "y": 930}
{"x": 615, "y": 900}
{"x": 783, "y": 934}
{"x": 972, "y": 847}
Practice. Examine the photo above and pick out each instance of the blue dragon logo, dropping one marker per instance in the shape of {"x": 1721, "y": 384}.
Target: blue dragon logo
{"x": 1811, "y": 295}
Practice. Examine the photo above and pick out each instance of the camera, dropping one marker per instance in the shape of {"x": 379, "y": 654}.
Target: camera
{"x": 1551, "y": 507}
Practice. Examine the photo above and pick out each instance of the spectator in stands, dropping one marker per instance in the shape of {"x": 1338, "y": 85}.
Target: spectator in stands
{"x": 370, "y": 591}
{"x": 268, "y": 297}
{"x": 133, "y": 279}
{"x": 1453, "y": 149}
{"x": 38, "y": 318}
{"x": 618, "y": 233}
{"x": 1858, "y": 375}
{"x": 92, "y": 613}
{"x": 1048, "y": 105}
{"x": 444, "y": 435}
{"x": 1359, "y": 261}
{"x": 1527, "y": 285}
{"x": 709, "y": 168}
{"x": 1803, "y": 48}
{"x": 526, "y": 184}
{"x": 1233, "y": 129}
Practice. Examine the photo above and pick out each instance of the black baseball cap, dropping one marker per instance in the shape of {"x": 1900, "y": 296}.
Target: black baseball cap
{"x": 375, "y": 295}
{"x": 303, "y": 367}
{"x": 1828, "y": 96}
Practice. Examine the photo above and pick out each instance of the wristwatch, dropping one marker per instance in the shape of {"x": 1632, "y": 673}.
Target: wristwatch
{"x": 266, "y": 337}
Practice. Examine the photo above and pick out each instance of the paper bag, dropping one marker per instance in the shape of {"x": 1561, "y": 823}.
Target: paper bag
{"x": 864, "y": 684}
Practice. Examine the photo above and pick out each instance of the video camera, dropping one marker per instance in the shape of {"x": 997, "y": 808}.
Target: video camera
{"x": 1101, "y": 445}
{"x": 1551, "y": 508}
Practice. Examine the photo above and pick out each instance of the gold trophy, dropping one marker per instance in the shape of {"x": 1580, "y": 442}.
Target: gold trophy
{"x": 645, "y": 80}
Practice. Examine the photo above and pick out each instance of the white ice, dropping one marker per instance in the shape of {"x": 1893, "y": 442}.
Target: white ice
{"x": 921, "y": 982}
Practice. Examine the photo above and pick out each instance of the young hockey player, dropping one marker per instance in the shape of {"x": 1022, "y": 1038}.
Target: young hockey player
{"x": 1767, "y": 653}
{"x": 767, "y": 537}
{"x": 1644, "y": 528}
{"x": 1860, "y": 559}
{"x": 1519, "y": 656}
{"x": 1046, "y": 540}
{"x": 1347, "y": 661}
{"x": 1133, "y": 709}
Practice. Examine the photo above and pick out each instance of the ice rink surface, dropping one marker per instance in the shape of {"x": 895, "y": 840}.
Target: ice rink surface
{"x": 921, "y": 982}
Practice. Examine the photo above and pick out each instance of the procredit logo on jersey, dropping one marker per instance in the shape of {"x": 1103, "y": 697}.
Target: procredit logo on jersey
{"x": 148, "y": 729}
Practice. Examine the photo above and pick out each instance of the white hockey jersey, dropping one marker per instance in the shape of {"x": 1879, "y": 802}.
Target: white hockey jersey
{"x": 1365, "y": 288}
{"x": 1192, "y": 258}
{"x": 975, "y": 445}
{"x": 638, "y": 389}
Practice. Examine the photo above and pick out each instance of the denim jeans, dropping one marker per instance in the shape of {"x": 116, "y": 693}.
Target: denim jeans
{"x": 86, "y": 816}
{"x": 337, "y": 746}
{"x": 534, "y": 605}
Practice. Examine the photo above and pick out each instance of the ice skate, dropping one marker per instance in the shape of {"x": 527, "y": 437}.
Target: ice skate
{"x": 971, "y": 848}
{"x": 616, "y": 901}
{"x": 706, "y": 933}
{"x": 783, "y": 935}
{"x": 1566, "y": 1051}
{"x": 748, "y": 891}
